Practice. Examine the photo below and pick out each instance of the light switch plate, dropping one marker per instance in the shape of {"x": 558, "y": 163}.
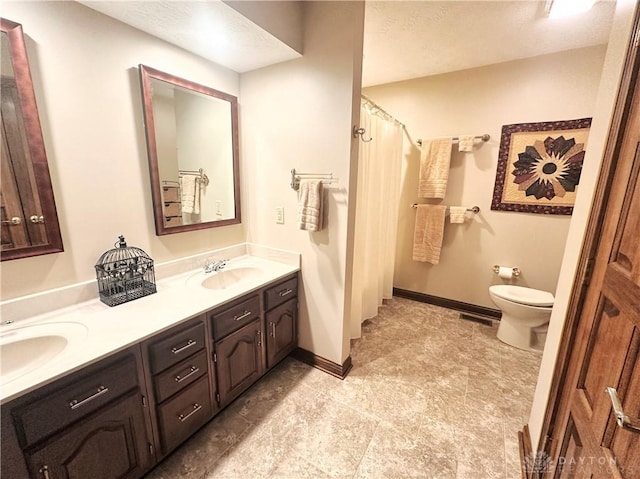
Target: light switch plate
{"x": 280, "y": 215}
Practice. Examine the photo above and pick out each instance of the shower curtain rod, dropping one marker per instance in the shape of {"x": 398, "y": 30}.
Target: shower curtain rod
{"x": 379, "y": 108}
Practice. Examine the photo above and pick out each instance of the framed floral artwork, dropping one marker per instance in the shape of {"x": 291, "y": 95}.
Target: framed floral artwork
{"x": 539, "y": 166}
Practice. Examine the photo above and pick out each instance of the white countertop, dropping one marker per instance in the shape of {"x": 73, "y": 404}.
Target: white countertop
{"x": 112, "y": 329}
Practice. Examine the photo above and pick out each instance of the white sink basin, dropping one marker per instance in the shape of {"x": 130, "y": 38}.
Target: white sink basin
{"x": 24, "y": 349}
{"x": 226, "y": 278}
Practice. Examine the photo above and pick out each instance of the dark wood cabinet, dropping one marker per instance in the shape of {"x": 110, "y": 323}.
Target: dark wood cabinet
{"x": 93, "y": 423}
{"x": 110, "y": 444}
{"x": 181, "y": 376}
{"x": 281, "y": 331}
{"x": 117, "y": 418}
{"x": 239, "y": 361}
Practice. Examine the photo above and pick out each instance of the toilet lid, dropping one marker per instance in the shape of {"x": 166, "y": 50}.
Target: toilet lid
{"x": 522, "y": 295}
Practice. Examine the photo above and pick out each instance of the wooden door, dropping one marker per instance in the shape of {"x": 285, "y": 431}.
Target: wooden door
{"x": 587, "y": 441}
{"x": 18, "y": 188}
{"x": 281, "y": 331}
{"x": 239, "y": 361}
{"x": 110, "y": 444}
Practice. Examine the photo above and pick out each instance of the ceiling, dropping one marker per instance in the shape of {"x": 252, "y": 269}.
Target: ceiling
{"x": 210, "y": 29}
{"x": 412, "y": 39}
{"x": 403, "y": 39}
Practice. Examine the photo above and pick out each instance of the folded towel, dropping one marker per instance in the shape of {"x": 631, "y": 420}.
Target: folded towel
{"x": 457, "y": 214}
{"x": 435, "y": 158}
{"x": 310, "y": 205}
{"x": 465, "y": 143}
{"x": 188, "y": 193}
{"x": 427, "y": 236}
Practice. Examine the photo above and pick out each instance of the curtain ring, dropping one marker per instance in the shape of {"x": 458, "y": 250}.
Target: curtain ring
{"x": 360, "y": 131}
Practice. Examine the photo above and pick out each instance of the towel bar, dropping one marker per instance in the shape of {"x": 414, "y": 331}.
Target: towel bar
{"x": 474, "y": 209}
{"x": 485, "y": 137}
{"x": 296, "y": 177}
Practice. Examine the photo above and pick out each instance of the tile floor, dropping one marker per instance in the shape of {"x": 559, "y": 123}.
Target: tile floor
{"x": 429, "y": 396}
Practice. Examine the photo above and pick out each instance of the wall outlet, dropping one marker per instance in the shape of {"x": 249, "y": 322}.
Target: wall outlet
{"x": 218, "y": 207}
{"x": 280, "y": 215}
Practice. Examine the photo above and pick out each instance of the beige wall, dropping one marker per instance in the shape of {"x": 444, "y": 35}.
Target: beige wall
{"x": 84, "y": 67}
{"x": 561, "y": 86}
{"x": 298, "y": 115}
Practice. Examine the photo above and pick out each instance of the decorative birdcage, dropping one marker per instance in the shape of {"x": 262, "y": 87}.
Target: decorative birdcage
{"x": 124, "y": 273}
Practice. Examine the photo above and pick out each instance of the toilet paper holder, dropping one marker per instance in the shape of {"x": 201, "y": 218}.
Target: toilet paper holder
{"x": 516, "y": 271}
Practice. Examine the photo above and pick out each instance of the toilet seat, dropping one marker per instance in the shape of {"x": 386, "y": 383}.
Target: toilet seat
{"x": 522, "y": 295}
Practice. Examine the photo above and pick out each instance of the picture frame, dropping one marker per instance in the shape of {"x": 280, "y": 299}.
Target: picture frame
{"x": 539, "y": 166}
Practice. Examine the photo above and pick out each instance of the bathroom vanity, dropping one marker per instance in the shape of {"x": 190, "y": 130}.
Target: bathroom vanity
{"x": 120, "y": 415}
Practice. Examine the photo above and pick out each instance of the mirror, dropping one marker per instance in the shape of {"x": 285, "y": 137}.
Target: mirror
{"x": 192, "y": 145}
{"x": 29, "y": 218}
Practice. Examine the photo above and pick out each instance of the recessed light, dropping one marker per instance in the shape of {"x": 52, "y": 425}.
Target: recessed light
{"x": 566, "y": 8}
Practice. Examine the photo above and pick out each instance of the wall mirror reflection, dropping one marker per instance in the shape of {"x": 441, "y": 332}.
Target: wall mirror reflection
{"x": 29, "y": 218}
{"x": 192, "y": 146}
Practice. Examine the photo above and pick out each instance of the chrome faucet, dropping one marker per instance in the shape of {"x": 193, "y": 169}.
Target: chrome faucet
{"x": 215, "y": 265}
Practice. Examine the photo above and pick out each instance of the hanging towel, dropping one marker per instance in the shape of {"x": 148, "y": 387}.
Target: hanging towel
{"x": 427, "y": 236}
{"x": 196, "y": 197}
{"x": 465, "y": 143}
{"x": 457, "y": 214}
{"x": 435, "y": 158}
{"x": 310, "y": 205}
{"x": 188, "y": 192}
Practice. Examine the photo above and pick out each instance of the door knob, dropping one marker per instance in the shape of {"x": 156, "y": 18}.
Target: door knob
{"x": 16, "y": 220}
{"x": 36, "y": 219}
{"x": 621, "y": 418}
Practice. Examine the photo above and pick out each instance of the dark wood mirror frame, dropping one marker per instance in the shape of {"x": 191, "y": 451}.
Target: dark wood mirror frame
{"x": 146, "y": 75}
{"x": 35, "y": 141}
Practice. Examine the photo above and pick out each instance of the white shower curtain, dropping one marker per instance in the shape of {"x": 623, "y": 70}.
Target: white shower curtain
{"x": 379, "y": 167}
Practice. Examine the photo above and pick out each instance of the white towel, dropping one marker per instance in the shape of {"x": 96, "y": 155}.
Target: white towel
{"x": 457, "y": 214}
{"x": 435, "y": 159}
{"x": 428, "y": 233}
{"x": 310, "y": 205}
{"x": 465, "y": 143}
{"x": 190, "y": 194}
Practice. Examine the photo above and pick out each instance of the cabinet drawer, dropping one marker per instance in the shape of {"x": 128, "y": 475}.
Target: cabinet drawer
{"x": 88, "y": 393}
{"x": 180, "y": 376}
{"x": 170, "y": 193}
{"x": 173, "y": 220}
{"x": 184, "y": 414}
{"x": 229, "y": 320}
{"x": 171, "y": 209}
{"x": 281, "y": 293}
{"x": 176, "y": 347}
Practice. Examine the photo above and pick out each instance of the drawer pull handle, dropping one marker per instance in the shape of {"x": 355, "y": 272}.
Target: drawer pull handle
{"x": 177, "y": 350}
{"x": 191, "y": 372}
{"x": 273, "y": 329}
{"x": 242, "y": 316}
{"x": 196, "y": 408}
{"x": 285, "y": 292}
{"x": 75, "y": 404}
{"x": 44, "y": 470}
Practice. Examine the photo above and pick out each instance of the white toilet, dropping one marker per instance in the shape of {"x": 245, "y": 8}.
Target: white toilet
{"x": 525, "y": 315}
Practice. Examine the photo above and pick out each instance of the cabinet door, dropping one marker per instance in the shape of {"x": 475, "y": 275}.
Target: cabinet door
{"x": 281, "y": 331}
{"x": 109, "y": 444}
{"x": 239, "y": 361}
